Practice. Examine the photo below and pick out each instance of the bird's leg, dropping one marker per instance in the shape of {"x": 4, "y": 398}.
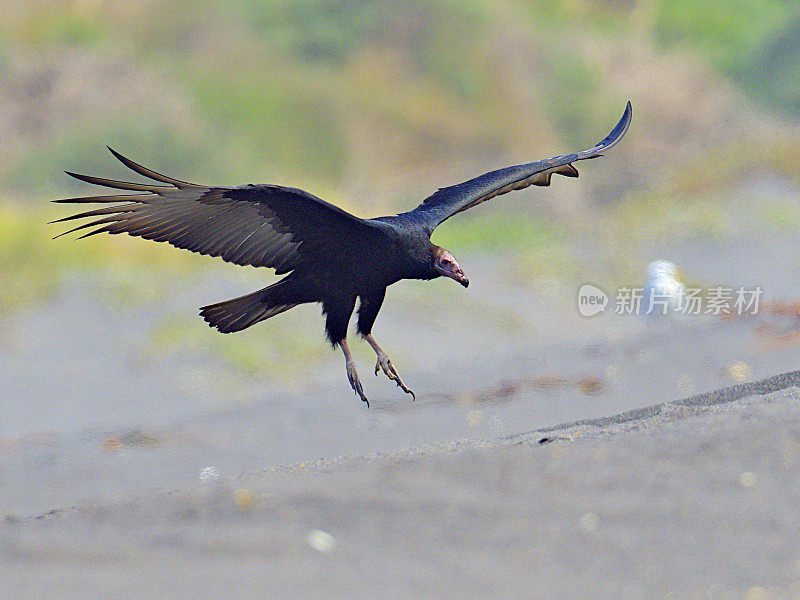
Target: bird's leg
{"x": 387, "y": 366}
{"x": 352, "y": 373}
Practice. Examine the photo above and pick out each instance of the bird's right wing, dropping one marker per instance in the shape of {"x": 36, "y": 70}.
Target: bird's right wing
{"x": 259, "y": 225}
{"x": 451, "y": 200}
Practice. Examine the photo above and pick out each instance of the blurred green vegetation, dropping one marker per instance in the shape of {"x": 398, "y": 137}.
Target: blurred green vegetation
{"x": 321, "y": 93}
{"x": 64, "y": 26}
{"x": 265, "y": 120}
{"x": 287, "y": 87}
{"x": 729, "y": 33}
{"x": 324, "y": 30}
{"x": 573, "y": 92}
{"x": 498, "y": 229}
{"x": 41, "y": 171}
{"x": 755, "y": 43}
{"x": 773, "y": 73}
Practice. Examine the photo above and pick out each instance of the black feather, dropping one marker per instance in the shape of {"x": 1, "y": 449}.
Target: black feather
{"x": 451, "y": 200}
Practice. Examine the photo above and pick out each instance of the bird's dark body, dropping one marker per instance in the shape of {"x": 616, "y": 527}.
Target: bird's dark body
{"x": 326, "y": 254}
{"x": 396, "y": 248}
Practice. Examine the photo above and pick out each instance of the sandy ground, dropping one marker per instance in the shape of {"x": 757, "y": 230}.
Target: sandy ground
{"x": 689, "y": 499}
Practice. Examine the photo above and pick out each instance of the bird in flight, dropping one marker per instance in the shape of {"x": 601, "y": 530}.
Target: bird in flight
{"x": 328, "y": 255}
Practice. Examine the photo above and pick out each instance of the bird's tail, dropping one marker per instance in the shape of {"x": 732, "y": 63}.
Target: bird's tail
{"x": 244, "y": 311}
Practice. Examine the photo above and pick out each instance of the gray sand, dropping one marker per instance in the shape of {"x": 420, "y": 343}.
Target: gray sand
{"x": 136, "y": 467}
{"x": 689, "y": 499}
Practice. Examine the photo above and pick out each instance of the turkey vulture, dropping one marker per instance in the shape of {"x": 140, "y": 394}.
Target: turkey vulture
{"x": 330, "y": 256}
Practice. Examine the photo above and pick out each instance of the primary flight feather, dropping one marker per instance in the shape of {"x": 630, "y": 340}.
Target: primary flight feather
{"x": 331, "y": 256}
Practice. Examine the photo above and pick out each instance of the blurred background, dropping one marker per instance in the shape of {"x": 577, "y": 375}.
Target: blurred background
{"x": 373, "y": 106}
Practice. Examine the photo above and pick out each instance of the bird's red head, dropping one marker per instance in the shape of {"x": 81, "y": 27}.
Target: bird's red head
{"x": 447, "y": 265}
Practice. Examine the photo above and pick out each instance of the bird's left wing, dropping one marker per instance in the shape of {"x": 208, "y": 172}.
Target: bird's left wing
{"x": 259, "y": 225}
{"x": 451, "y": 200}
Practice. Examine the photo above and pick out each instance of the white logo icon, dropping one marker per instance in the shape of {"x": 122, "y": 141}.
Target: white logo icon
{"x": 591, "y": 300}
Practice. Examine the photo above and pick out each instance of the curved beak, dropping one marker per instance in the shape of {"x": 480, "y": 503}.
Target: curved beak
{"x": 457, "y": 274}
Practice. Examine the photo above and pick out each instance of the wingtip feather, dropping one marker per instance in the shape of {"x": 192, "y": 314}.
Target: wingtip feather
{"x": 149, "y": 173}
{"x": 613, "y": 138}
{"x": 95, "y": 232}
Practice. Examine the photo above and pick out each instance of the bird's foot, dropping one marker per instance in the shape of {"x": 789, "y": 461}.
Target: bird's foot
{"x": 388, "y": 368}
{"x": 355, "y": 382}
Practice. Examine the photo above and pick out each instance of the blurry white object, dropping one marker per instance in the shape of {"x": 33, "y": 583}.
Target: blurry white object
{"x": 321, "y": 541}
{"x": 209, "y": 475}
{"x": 663, "y": 294}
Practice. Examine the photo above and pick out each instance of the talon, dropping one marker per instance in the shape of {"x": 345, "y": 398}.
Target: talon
{"x": 388, "y": 368}
{"x": 355, "y": 382}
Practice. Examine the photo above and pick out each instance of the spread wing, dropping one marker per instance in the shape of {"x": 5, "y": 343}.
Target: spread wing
{"x": 451, "y": 200}
{"x": 259, "y": 225}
